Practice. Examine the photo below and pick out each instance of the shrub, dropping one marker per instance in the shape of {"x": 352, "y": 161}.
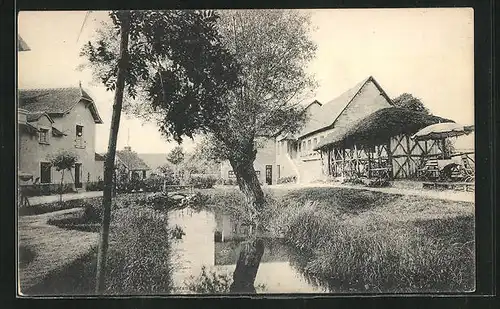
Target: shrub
{"x": 142, "y": 238}
{"x": 137, "y": 264}
{"x": 226, "y": 182}
{"x": 46, "y": 189}
{"x": 159, "y": 201}
{"x": 55, "y": 206}
{"x": 203, "y": 181}
{"x": 209, "y": 282}
{"x": 154, "y": 183}
{"x": 95, "y": 185}
{"x": 289, "y": 179}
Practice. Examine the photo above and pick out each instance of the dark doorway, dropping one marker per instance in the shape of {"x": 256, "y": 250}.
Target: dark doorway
{"x": 78, "y": 170}
{"x": 269, "y": 174}
{"x": 45, "y": 172}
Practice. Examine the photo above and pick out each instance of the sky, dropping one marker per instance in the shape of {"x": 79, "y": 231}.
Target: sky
{"x": 426, "y": 52}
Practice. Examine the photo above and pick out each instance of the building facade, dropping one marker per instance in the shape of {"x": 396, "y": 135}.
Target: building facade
{"x": 293, "y": 155}
{"x": 132, "y": 164}
{"x": 265, "y": 163}
{"x": 57, "y": 119}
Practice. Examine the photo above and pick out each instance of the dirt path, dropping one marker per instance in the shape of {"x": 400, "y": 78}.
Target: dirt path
{"x": 36, "y": 200}
{"x": 458, "y": 196}
{"x": 54, "y": 247}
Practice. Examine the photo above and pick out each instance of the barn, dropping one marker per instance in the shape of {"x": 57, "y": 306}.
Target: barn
{"x": 380, "y": 144}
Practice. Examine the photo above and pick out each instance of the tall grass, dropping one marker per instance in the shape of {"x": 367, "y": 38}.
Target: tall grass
{"x": 138, "y": 260}
{"x": 354, "y": 253}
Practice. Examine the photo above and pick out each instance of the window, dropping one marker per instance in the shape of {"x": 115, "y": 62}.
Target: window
{"x": 315, "y": 141}
{"x": 278, "y": 147}
{"x": 79, "y": 131}
{"x": 309, "y": 145}
{"x": 300, "y": 149}
{"x": 79, "y": 142}
{"x": 143, "y": 174}
{"x": 44, "y": 136}
{"x": 45, "y": 172}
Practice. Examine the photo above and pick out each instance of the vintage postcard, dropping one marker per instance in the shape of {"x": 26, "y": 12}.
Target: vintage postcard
{"x": 318, "y": 151}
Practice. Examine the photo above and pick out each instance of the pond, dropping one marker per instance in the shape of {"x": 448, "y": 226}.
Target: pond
{"x": 212, "y": 240}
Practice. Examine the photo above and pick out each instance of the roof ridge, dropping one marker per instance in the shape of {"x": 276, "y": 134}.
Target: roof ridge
{"x": 50, "y": 88}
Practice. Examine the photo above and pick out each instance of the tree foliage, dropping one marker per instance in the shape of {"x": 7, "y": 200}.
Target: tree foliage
{"x": 410, "y": 102}
{"x": 201, "y": 160}
{"x": 176, "y": 156}
{"x": 178, "y": 70}
{"x": 273, "y": 49}
{"x": 63, "y": 160}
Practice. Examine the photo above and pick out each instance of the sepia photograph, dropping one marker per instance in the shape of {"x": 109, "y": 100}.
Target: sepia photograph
{"x": 245, "y": 152}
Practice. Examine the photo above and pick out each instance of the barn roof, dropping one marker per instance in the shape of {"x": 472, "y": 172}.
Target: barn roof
{"x": 131, "y": 160}
{"x": 56, "y": 101}
{"x": 328, "y": 113}
{"x": 377, "y": 127}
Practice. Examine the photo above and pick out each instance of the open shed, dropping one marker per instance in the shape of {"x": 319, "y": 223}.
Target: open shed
{"x": 380, "y": 142}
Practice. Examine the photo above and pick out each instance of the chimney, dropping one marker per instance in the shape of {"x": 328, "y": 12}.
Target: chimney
{"x": 127, "y": 148}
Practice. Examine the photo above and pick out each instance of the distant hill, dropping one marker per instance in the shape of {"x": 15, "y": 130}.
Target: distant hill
{"x": 153, "y": 160}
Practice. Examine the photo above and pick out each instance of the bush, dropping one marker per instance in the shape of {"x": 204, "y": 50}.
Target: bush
{"x": 95, "y": 186}
{"x": 228, "y": 182}
{"x": 46, "y": 189}
{"x": 159, "y": 201}
{"x": 55, "y": 206}
{"x": 209, "y": 282}
{"x": 137, "y": 264}
{"x": 203, "y": 181}
{"x": 289, "y": 179}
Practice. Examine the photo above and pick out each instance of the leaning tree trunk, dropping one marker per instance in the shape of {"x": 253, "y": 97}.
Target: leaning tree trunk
{"x": 253, "y": 248}
{"x": 110, "y": 157}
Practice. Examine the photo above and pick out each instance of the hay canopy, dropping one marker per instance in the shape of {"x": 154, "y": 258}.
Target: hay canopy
{"x": 378, "y": 127}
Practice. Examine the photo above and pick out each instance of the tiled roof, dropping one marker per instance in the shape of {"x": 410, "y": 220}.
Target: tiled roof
{"x": 55, "y": 101}
{"x": 131, "y": 160}
{"x": 329, "y": 112}
{"x": 30, "y": 117}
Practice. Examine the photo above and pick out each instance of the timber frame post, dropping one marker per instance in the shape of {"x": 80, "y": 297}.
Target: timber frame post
{"x": 389, "y": 160}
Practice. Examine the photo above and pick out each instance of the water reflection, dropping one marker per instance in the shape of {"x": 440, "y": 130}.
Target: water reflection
{"x": 212, "y": 240}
